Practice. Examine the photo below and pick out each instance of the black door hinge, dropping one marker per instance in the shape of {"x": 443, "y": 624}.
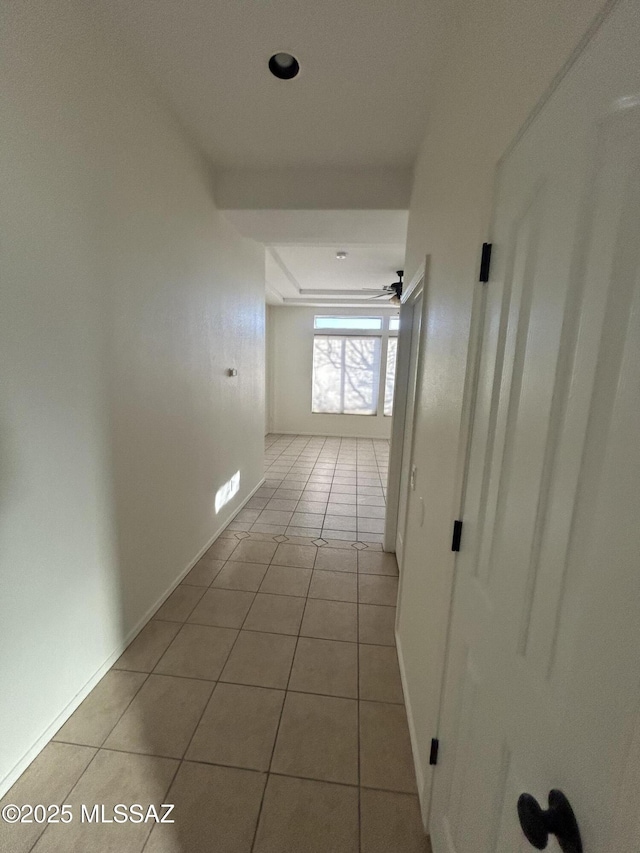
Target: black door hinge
{"x": 433, "y": 753}
{"x": 485, "y": 262}
{"x": 457, "y": 535}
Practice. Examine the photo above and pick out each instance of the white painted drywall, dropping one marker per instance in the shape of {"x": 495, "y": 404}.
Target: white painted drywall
{"x": 268, "y": 418}
{"x": 125, "y": 297}
{"x": 292, "y": 364}
{"x": 505, "y": 55}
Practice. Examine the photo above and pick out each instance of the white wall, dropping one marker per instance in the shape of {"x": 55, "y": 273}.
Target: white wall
{"x": 125, "y": 296}
{"x": 269, "y": 379}
{"x": 291, "y": 335}
{"x": 505, "y": 55}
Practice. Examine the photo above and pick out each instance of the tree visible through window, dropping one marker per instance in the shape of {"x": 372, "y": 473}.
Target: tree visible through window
{"x": 346, "y": 375}
{"x": 354, "y": 364}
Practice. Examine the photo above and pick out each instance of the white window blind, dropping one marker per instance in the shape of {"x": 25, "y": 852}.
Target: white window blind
{"x": 346, "y": 374}
{"x": 390, "y": 376}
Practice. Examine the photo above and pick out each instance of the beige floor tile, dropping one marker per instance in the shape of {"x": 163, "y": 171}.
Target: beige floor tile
{"x": 314, "y": 507}
{"x": 243, "y": 576}
{"x": 261, "y": 537}
{"x": 303, "y": 816}
{"x": 300, "y": 540}
{"x": 376, "y": 589}
{"x": 330, "y": 620}
{"x": 377, "y": 624}
{"x": 225, "y": 608}
{"x": 340, "y": 522}
{"x": 377, "y": 563}
{"x": 251, "y": 551}
{"x": 305, "y": 519}
{"x": 148, "y": 647}
{"x": 345, "y": 535}
{"x": 112, "y": 777}
{"x": 92, "y": 721}
{"x": 370, "y": 500}
{"x": 334, "y": 560}
{"x": 371, "y": 511}
{"x": 318, "y": 738}
{"x": 385, "y": 749}
{"x": 240, "y": 526}
{"x": 286, "y": 580}
{"x": 239, "y": 727}
{"x": 369, "y": 490}
{"x": 306, "y": 533}
{"x": 162, "y": 718}
{"x": 391, "y": 823}
{"x": 249, "y": 514}
{"x": 312, "y": 489}
{"x": 334, "y": 586}
{"x": 216, "y": 811}
{"x": 180, "y": 603}
{"x": 380, "y": 674}
{"x": 284, "y": 494}
{"x": 273, "y": 529}
{"x": 221, "y": 549}
{"x": 47, "y": 780}
{"x": 204, "y": 572}
{"x": 257, "y": 503}
{"x": 342, "y": 505}
{"x": 325, "y": 666}
{"x": 265, "y": 492}
{"x": 274, "y": 516}
{"x": 198, "y": 651}
{"x": 302, "y": 556}
{"x": 280, "y": 505}
{"x": 337, "y": 543}
{"x": 280, "y": 614}
{"x": 263, "y": 660}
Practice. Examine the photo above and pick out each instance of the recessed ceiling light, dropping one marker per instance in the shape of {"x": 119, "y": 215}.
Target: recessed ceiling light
{"x": 284, "y": 66}
{"x": 341, "y": 256}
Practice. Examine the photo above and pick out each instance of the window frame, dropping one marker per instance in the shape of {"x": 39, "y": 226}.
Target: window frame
{"x": 384, "y": 333}
{"x": 354, "y": 330}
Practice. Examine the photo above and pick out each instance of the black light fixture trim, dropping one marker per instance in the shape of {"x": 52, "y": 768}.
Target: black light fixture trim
{"x": 284, "y": 70}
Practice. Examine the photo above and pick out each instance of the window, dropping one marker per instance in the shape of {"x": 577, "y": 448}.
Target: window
{"x": 351, "y": 323}
{"x": 346, "y": 374}
{"x": 390, "y": 376}
{"x": 394, "y": 323}
{"x": 353, "y": 368}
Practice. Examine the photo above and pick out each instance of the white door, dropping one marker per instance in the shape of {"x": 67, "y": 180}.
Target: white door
{"x": 543, "y": 675}
{"x": 413, "y": 315}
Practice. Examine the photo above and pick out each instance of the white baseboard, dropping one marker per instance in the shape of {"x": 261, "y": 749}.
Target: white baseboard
{"x": 275, "y": 431}
{"x": 18, "y": 769}
{"x": 420, "y": 781}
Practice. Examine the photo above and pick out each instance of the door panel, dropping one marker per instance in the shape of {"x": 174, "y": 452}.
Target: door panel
{"x": 541, "y": 689}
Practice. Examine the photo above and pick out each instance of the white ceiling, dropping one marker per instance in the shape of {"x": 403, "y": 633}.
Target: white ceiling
{"x": 360, "y": 98}
{"x": 311, "y": 165}
{"x": 309, "y": 274}
{"x": 301, "y": 248}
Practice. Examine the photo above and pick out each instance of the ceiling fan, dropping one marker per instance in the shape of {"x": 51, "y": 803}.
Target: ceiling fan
{"x": 392, "y": 292}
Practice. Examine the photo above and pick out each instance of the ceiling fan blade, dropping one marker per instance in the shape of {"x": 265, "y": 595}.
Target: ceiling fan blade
{"x": 374, "y": 289}
{"x": 380, "y": 296}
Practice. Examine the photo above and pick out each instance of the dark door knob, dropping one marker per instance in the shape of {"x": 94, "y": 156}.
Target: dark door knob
{"x": 559, "y": 820}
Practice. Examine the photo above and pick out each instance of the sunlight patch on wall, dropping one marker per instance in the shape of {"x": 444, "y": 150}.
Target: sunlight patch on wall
{"x": 226, "y": 492}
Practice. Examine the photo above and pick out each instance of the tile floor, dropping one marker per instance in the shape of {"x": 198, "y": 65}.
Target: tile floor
{"x": 263, "y": 699}
{"x": 332, "y": 488}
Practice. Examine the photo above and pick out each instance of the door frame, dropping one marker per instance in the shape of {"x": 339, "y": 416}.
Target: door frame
{"x": 402, "y": 396}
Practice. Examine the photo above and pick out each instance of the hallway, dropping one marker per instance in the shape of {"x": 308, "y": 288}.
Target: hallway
{"x": 264, "y": 697}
